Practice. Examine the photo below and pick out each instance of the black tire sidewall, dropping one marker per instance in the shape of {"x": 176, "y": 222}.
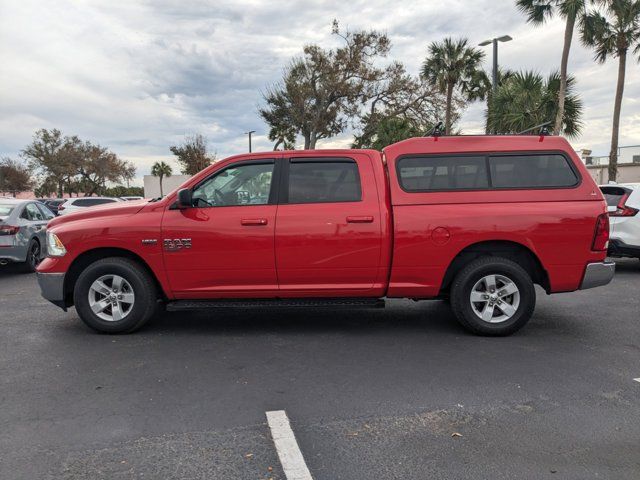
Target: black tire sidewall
{"x": 144, "y": 296}
{"x": 28, "y": 266}
{"x": 468, "y": 277}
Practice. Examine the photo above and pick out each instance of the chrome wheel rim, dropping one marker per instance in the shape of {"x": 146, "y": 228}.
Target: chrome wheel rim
{"x": 495, "y": 298}
{"x": 111, "y": 298}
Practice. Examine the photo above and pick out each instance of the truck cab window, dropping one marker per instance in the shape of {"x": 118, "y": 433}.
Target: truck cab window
{"x": 248, "y": 184}
{"x": 324, "y": 181}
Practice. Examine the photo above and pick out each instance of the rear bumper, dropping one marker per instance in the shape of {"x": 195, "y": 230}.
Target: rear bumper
{"x": 52, "y": 288}
{"x": 14, "y": 253}
{"x": 618, "y": 248}
{"x": 598, "y": 274}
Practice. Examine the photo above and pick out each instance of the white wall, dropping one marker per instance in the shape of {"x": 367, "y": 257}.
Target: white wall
{"x": 152, "y": 184}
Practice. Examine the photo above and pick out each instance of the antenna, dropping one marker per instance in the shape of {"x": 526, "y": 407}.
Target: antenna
{"x": 543, "y": 129}
{"x": 436, "y": 131}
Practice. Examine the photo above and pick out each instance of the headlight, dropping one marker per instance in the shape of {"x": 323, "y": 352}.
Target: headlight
{"x": 55, "y": 248}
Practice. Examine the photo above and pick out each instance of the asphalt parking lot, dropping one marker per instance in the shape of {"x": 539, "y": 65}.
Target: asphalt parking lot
{"x": 370, "y": 394}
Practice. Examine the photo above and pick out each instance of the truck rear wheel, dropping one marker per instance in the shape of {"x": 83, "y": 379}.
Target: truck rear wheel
{"x": 115, "y": 295}
{"x": 493, "y": 296}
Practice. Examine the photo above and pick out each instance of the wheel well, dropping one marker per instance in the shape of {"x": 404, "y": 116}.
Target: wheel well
{"x": 517, "y": 252}
{"x": 85, "y": 259}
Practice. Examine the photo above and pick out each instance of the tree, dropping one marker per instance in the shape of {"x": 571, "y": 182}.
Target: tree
{"x": 612, "y": 30}
{"x": 387, "y": 131}
{"x": 49, "y": 154}
{"x": 70, "y": 165}
{"x": 504, "y": 75}
{"x": 453, "y": 67}
{"x": 322, "y": 89}
{"x": 14, "y": 177}
{"x": 538, "y": 12}
{"x": 400, "y": 103}
{"x": 192, "y": 155}
{"x": 161, "y": 170}
{"x": 526, "y": 99}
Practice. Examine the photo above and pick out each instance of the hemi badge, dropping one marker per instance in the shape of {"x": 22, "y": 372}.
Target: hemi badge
{"x": 149, "y": 241}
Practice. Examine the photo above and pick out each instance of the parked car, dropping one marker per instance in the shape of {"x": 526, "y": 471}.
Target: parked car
{"x": 22, "y": 232}
{"x": 80, "y": 203}
{"x": 53, "y": 204}
{"x": 476, "y": 219}
{"x": 623, "y": 201}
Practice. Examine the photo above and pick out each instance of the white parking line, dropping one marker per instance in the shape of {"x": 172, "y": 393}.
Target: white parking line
{"x": 289, "y": 453}
{"x": 637, "y": 380}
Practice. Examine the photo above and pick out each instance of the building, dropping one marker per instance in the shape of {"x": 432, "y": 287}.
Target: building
{"x": 628, "y": 165}
{"x": 152, "y": 184}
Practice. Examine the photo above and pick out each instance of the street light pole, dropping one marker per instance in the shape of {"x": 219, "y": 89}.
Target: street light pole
{"x": 250, "y": 132}
{"x": 494, "y": 42}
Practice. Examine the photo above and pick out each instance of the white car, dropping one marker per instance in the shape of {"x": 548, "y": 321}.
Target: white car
{"x": 623, "y": 203}
{"x": 80, "y": 203}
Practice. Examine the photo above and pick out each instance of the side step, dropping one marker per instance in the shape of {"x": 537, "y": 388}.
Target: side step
{"x": 182, "y": 305}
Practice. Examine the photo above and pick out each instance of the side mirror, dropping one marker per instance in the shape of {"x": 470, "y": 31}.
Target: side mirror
{"x": 184, "y": 198}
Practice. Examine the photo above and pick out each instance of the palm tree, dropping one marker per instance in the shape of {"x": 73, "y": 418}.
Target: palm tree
{"x": 161, "y": 170}
{"x": 452, "y": 65}
{"x": 504, "y": 75}
{"x": 538, "y": 12}
{"x": 612, "y": 30}
{"x": 527, "y": 99}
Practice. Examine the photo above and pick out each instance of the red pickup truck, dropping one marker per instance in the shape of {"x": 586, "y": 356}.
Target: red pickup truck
{"x": 475, "y": 220}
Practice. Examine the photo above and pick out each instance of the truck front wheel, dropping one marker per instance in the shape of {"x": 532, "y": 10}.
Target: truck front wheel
{"x": 493, "y": 296}
{"x": 115, "y": 295}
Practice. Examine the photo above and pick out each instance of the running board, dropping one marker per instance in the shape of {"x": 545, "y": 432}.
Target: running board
{"x": 182, "y": 305}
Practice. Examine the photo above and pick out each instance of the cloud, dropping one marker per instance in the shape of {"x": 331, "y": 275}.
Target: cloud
{"x": 139, "y": 75}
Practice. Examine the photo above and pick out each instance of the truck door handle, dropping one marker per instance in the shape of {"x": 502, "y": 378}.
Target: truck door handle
{"x": 247, "y": 222}
{"x": 362, "y": 219}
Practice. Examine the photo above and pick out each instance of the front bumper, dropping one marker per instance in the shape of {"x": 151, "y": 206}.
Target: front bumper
{"x": 52, "y": 288}
{"x": 598, "y": 274}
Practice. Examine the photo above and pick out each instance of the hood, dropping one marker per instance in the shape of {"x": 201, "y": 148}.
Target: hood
{"x": 99, "y": 211}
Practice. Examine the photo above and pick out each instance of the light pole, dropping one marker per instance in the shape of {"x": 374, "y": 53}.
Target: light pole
{"x": 249, "y": 133}
{"x": 494, "y": 41}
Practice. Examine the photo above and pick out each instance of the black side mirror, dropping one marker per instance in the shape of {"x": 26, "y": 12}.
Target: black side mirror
{"x": 184, "y": 198}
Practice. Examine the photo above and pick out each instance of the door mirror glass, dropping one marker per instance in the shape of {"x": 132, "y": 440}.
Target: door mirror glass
{"x": 184, "y": 198}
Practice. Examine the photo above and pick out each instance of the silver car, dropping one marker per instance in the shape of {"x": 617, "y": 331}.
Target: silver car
{"x": 23, "y": 225}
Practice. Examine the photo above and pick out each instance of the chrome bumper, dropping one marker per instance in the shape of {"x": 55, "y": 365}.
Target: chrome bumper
{"x": 52, "y": 288}
{"x": 598, "y": 274}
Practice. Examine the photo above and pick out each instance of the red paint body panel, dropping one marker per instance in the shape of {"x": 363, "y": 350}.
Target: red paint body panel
{"x": 392, "y": 242}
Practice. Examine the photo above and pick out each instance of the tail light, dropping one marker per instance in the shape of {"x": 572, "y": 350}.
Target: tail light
{"x": 601, "y": 235}
{"x": 622, "y": 210}
{"x": 8, "y": 230}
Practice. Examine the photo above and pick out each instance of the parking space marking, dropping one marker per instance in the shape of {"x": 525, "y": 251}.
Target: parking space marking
{"x": 287, "y": 447}
{"x": 637, "y": 379}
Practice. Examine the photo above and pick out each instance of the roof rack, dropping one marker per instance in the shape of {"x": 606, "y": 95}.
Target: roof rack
{"x": 544, "y": 129}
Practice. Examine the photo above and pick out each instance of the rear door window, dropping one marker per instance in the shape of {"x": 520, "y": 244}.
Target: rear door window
{"x": 32, "y": 213}
{"x": 531, "y": 171}
{"x": 48, "y": 215}
{"x": 421, "y": 174}
{"x": 324, "y": 181}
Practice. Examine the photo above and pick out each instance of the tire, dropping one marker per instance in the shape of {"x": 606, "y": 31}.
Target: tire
{"x": 505, "y": 310}
{"x": 34, "y": 254}
{"x": 115, "y": 295}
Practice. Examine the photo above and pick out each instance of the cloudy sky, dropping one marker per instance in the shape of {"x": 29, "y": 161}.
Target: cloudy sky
{"x": 138, "y": 75}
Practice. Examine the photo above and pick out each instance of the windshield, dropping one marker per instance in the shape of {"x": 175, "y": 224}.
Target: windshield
{"x": 5, "y": 210}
